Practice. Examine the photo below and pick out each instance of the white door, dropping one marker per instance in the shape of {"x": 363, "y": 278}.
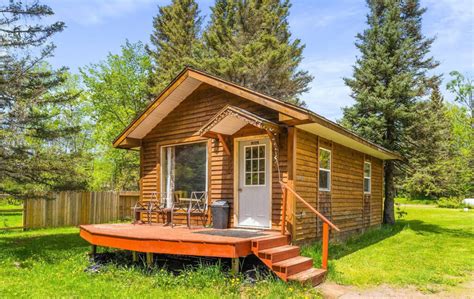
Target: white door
{"x": 254, "y": 183}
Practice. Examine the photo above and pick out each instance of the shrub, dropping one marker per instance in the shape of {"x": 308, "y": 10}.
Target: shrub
{"x": 451, "y": 202}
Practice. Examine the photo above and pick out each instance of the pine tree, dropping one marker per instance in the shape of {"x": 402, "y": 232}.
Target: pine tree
{"x": 428, "y": 142}
{"x": 388, "y": 80}
{"x": 175, "y": 40}
{"x": 249, "y": 43}
{"x": 32, "y": 161}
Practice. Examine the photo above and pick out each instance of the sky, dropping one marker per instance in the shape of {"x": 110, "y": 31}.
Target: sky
{"x": 327, "y": 28}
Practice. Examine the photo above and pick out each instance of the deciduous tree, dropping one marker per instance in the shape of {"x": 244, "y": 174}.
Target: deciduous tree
{"x": 463, "y": 88}
{"x": 116, "y": 91}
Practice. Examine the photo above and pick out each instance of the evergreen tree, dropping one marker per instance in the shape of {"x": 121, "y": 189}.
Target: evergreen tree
{"x": 428, "y": 143}
{"x": 32, "y": 94}
{"x": 249, "y": 43}
{"x": 388, "y": 80}
{"x": 175, "y": 41}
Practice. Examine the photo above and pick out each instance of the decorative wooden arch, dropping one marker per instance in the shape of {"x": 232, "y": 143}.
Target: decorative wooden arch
{"x": 231, "y": 119}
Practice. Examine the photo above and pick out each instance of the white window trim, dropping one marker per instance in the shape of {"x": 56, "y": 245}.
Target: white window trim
{"x": 325, "y": 169}
{"x": 265, "y": 169}
{"x": 368, "y": 177}
{"x": 164, "y": 146}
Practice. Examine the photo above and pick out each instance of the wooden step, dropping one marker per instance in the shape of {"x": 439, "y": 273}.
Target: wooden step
{"x": 312, "y": 275}
{"x": 280, "y": 253}
{"x": 266, "y": 243}
{"x": 293, "y": 265}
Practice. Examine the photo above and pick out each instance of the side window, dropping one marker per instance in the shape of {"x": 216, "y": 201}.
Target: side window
{"x": 367, "y": 177}
{"x": 324, "y": 169}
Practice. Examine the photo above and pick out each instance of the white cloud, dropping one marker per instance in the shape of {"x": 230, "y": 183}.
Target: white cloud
{"x": 91, "y": 12}
{"x": 452, "y": 20}
{"x": 327, "y": 97}
{"x": 328, "y": 92}
{"x": 314, "y": 17}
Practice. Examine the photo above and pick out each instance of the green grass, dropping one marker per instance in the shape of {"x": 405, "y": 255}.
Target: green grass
{"x": 10, "y": 219}
{"x": 46, "y": 263}
{"x": 430, "y": 248}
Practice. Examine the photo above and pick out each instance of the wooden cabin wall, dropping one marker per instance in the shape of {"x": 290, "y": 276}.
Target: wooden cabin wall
{"x": 345, "y": 204}
{"x": 306, "y": 184}
{"x": 181, "y": 126}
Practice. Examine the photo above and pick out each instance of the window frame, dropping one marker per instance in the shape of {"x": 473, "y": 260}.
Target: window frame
{"x": 258, "y": 171}
{"x": 162, "y": 148}
{"x": 369, "y": 178}
{"x": 324, "y": 169}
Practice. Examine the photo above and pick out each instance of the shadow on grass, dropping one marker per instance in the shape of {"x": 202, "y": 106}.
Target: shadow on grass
{"x": 47, "y": 248}
{"x": 55, "y": 248}
{"x": 174, "y": 263}
{"x": 422, "y": 227}
{"x": 340, "y": 249}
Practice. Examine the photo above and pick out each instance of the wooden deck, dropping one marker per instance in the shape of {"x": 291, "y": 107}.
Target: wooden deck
{"x": 271, "y": 247}
{"x": 179, "y": 240}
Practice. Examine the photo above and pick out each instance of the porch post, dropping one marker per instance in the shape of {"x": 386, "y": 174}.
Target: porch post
{"x": 235, "y": 265}
{"x": 93, "y": 251}
{"x": 149, "y": 259}
{"x": 290, "y": 200}
{"x": 134, "y": 256}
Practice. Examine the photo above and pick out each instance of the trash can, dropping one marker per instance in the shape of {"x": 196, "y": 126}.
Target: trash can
{"x": 220, "y": 214}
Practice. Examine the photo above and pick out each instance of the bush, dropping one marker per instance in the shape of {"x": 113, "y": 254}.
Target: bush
{"x": 451, "y": 202}
{"x": 418, "y": 201}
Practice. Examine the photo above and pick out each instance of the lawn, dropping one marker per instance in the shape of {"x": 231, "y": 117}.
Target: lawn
{"x": 429, "y": 248}
{"x": 10, "y": 219}
{"x": 52, "y": 262}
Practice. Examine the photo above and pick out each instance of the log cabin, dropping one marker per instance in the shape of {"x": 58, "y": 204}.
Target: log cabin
{"x": 282, "y": 168}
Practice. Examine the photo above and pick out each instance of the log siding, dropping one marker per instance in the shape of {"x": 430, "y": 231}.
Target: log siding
{"x": 345, "y": 203}
{"x": 182, "y": 125}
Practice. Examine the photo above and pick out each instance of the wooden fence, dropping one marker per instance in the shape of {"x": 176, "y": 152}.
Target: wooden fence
{"x": 71, "y": 208}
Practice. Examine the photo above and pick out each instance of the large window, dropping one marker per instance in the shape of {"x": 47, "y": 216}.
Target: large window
{"x": 184, "y": 169}
{"x": 367, "y": 177}
{"x": 324, "y": 169}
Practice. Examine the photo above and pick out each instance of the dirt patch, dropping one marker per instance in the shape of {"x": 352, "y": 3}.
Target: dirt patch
{"x": 332, "y": 290}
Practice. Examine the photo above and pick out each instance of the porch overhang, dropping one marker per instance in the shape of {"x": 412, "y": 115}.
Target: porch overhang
{"x": 231, "y": 119}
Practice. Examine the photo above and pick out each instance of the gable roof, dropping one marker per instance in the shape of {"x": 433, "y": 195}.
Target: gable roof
{"x": 190, "y": 79}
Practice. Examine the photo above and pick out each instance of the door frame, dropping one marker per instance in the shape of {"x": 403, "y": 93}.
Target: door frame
{"x": 236, "y": 158}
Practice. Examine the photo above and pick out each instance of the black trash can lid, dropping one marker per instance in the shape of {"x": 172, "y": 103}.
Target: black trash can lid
{"x": 220, "y": 203}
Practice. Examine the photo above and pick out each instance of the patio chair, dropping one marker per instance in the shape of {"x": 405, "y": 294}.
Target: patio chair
{"x": 156, "y": 204}
{"x": 196, "y": 205}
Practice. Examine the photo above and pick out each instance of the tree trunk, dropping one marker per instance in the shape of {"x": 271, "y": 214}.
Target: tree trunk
{"x": 388, "y": 208}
